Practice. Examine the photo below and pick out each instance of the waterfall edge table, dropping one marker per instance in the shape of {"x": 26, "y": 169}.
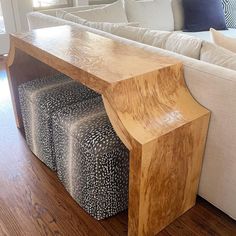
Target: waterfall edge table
{"x": 148, "y": 104}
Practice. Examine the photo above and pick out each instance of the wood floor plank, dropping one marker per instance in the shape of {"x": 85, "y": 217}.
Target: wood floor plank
{"x": 33, "y": 202}
{"x": 116, "y": 225}
{"x": 179, "y": 229}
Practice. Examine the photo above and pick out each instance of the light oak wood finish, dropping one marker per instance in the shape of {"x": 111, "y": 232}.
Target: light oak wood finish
{"x": 53, "y": 211}
{"x": 148, "y": 104}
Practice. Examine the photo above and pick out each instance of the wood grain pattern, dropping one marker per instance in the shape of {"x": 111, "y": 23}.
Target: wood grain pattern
{"x": 148, "y": 104}
{"x": 166, "y": 152}
{"x": 22, "y": 174}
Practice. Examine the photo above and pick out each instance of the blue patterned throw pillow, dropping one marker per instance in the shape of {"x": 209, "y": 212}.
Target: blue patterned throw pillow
{"x": 201, "y": 15}
{"x": 230, "y": 12}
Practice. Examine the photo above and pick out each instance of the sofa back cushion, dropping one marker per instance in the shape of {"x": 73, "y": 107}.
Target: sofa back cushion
{"x": 112, "y": 13}
{"x": 184, "y": 44}
{"x": 201, "y": 15}
{"x": 62, "y": 11}
{"x": 132, "y": 33}
{"x": 214, "y": 54}
{"x": 105, "y": 26}
{"x": 53, "y": 12}
{"x": 152, "y": 14}
{"x": 178, "y": 13}
{"x": 180, "y": 43}
{"x": 154, "y": 38}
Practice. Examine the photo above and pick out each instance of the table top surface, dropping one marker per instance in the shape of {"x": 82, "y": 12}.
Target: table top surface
{"x": 99, "y": 56}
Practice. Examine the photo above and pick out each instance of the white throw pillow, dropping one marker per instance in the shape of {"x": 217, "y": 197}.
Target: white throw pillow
{"x": 223, "y": 41}
{"x": 112, "y": 13}
{"x": 183, "y": 44}
{"x": 216, "y": 55}
{"x": 156, "y": 14}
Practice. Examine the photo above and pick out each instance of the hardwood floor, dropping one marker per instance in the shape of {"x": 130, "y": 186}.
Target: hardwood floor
{"x": 33, "y": 202}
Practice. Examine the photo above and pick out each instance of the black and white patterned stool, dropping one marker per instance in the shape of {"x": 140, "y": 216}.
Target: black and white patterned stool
{"x": 39, "y": 99}
{"x": 92, "y": 162}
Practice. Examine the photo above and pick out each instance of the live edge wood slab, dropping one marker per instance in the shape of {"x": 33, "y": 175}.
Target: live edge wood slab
{"x": 149, "y": 106}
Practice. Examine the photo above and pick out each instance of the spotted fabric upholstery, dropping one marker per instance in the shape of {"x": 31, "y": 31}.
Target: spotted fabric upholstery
{"x": 92, "y": 162}
{"x": 39, "y": 99}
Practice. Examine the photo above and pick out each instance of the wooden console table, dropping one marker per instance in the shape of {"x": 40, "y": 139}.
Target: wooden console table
{"x": 148, "y": 104}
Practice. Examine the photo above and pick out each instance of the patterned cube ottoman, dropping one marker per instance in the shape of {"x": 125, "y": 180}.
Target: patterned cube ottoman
{"x": 39, "y": 99}
{"x": 92, "y": 162}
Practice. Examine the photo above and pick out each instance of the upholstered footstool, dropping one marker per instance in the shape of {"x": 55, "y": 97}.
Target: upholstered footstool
{"x": 39, "y": 99}
{"x": 92, "y": 162}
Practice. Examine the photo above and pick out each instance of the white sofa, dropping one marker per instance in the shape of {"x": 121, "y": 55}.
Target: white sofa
{"x": 212, "y": 86}
{"x": 177, "y": 17}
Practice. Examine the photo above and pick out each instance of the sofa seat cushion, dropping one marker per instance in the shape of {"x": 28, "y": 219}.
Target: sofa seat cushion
{"x": 92, "y": 163}
{"x": 206, "y": 35}
{"x": 152, "y": 14}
